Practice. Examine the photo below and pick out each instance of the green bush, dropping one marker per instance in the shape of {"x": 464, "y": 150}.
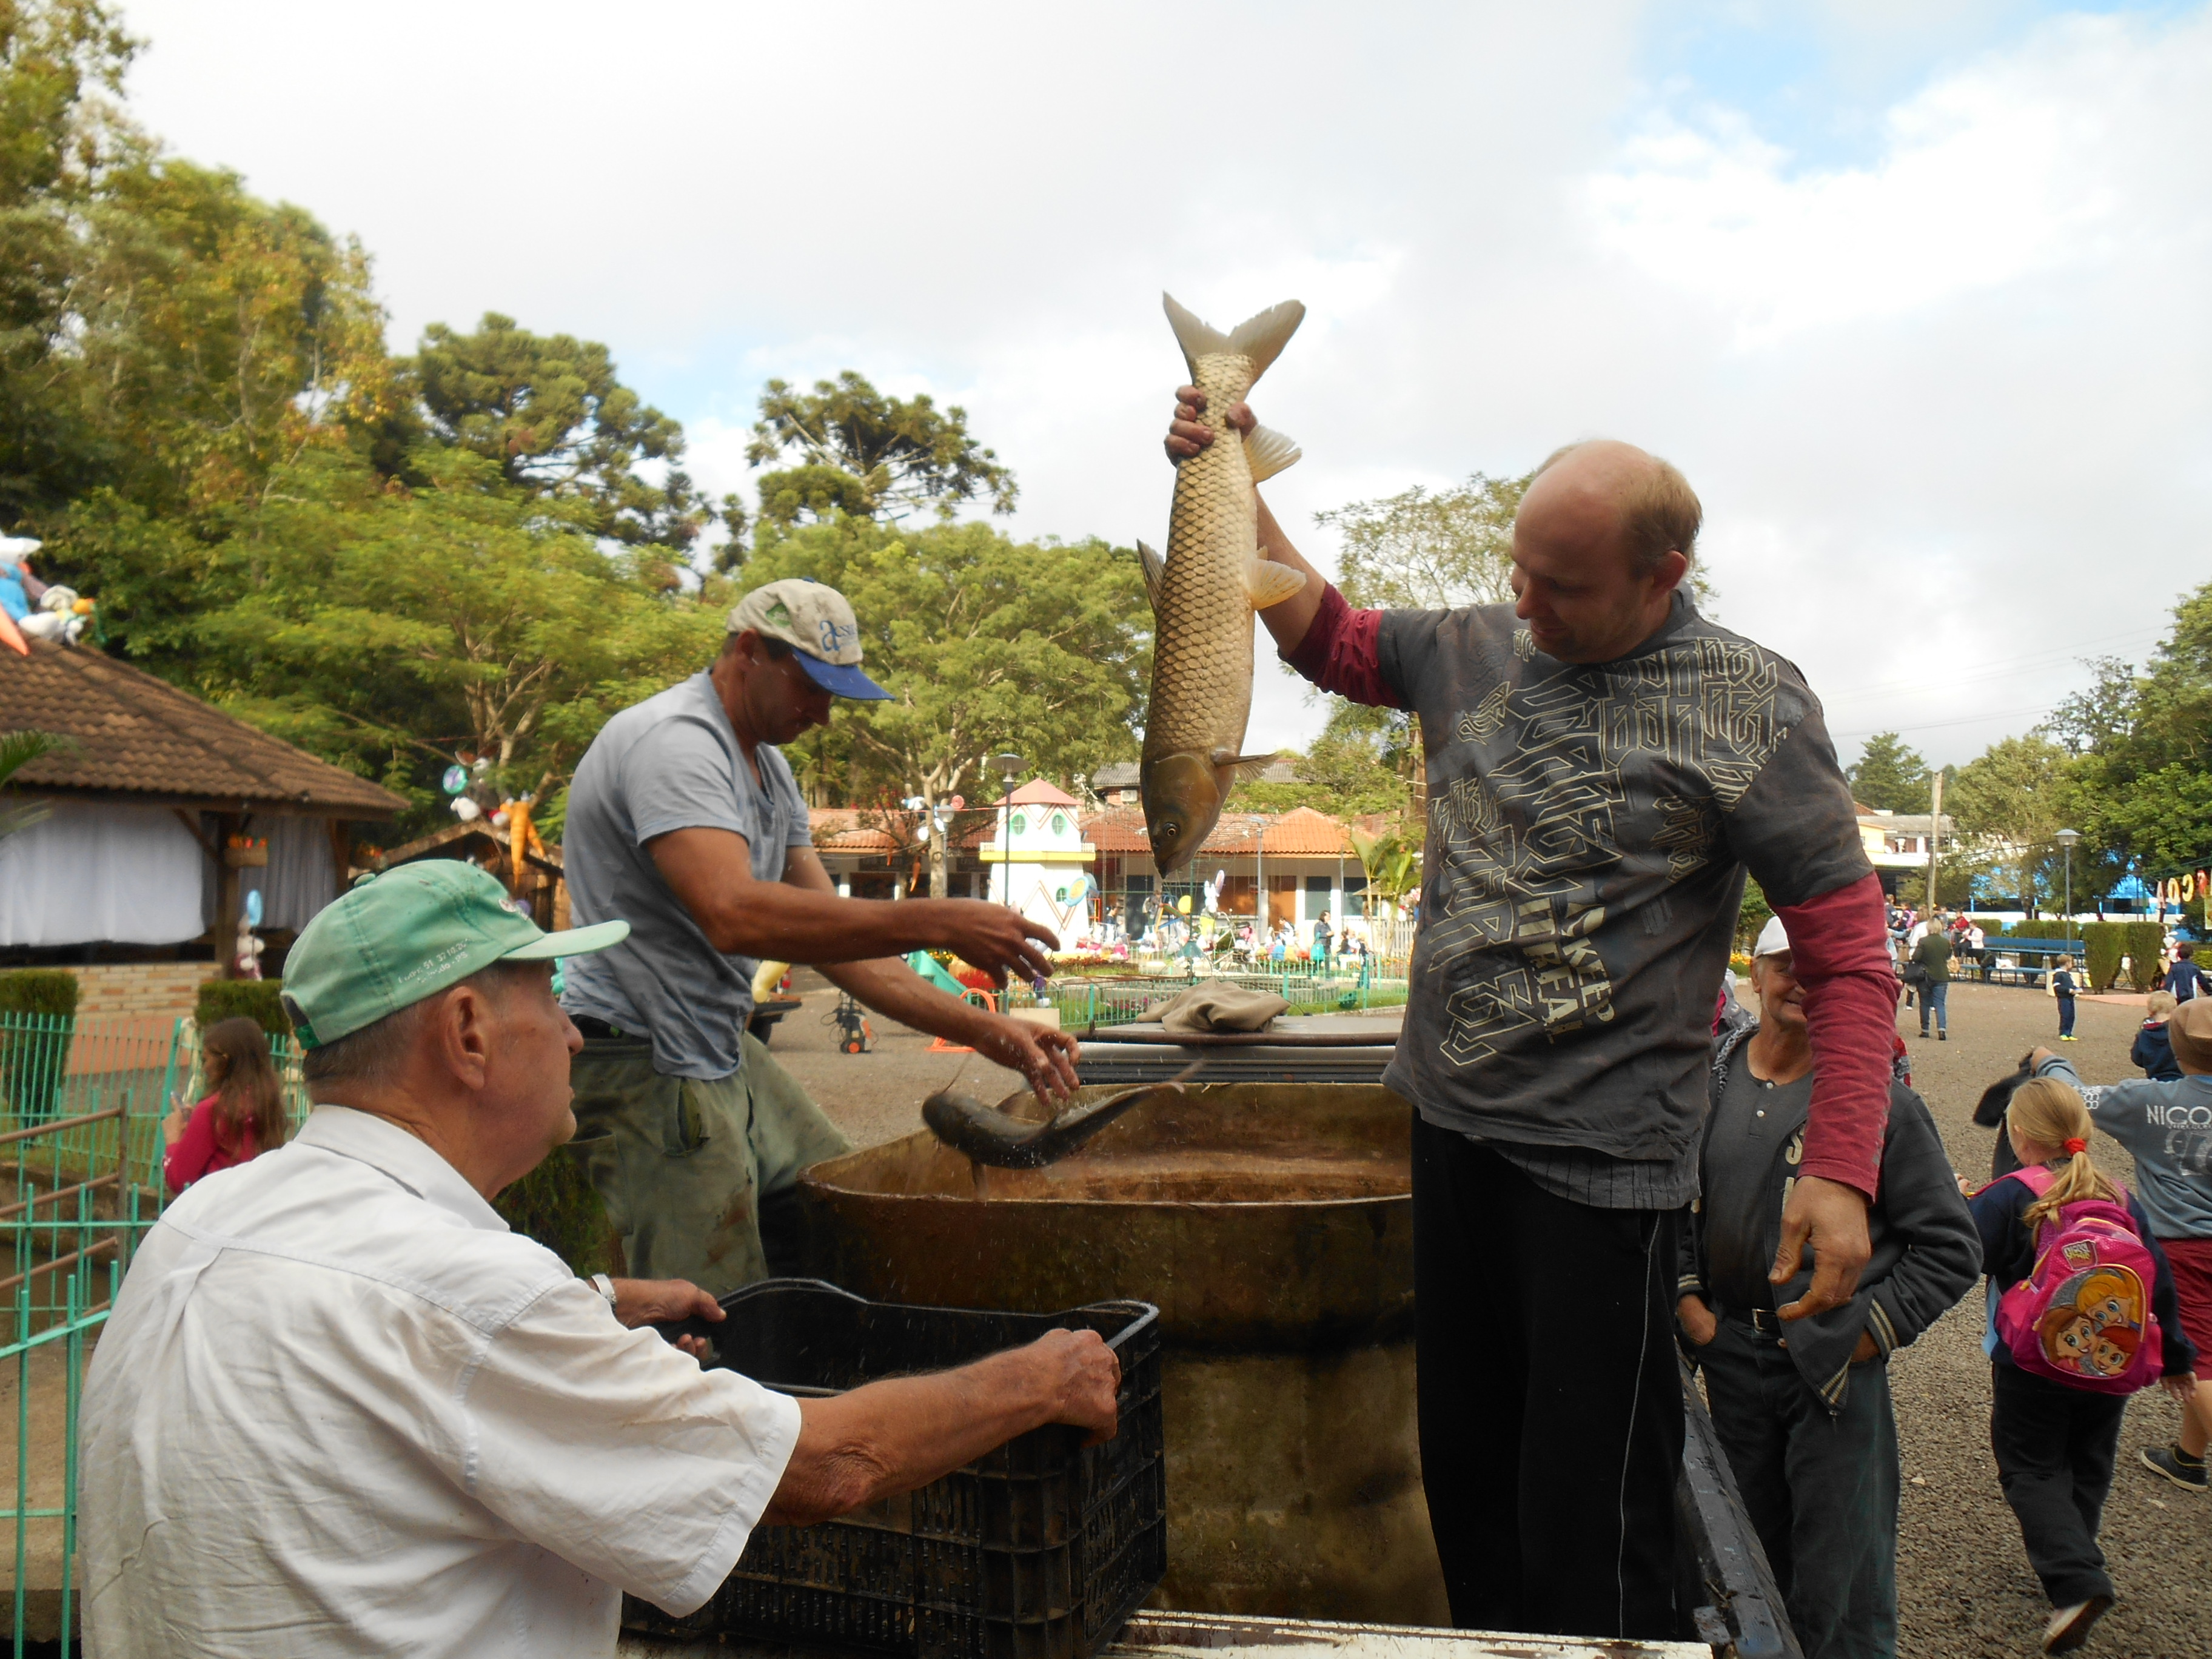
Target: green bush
{"x": 1752, "y": 914}
{"x": 2045, "y": 929}
{"x": 39, "y": 991}
{"x": 2145, "y": 940}
{"x": 257, "y": 1000}
{"x": 33, "y": 1063}
{"x": 2106, "y": 941}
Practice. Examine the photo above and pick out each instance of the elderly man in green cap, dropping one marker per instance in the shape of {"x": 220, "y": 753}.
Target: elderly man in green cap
{"x": 684, "y": 818}
{"x": 340, "y": 1408}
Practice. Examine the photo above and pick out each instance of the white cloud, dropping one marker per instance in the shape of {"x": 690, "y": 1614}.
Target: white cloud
{"x": 1946, "y": 408}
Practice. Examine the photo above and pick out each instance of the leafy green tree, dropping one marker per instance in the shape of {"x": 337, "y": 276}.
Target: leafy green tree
{"x": 1889, "y": 775}
{"x": 2011, "y": 800}
{"x": 61, "y": 130}
{"x": 548, "y": 411}
{"x": 900, "y": 455}
{"x": 386, "y": 628}
{"x": 1425, "y": 550}
{"x": 986, "y": 644}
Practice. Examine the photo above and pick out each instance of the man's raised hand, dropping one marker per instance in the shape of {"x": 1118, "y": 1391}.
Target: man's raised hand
{"x": 1832, "y": 1219}
{"x": 999, "y": 940}
{"x": 1188, "y": 433}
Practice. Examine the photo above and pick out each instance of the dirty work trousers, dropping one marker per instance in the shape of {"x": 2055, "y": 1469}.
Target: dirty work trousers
{"x": 2056, "y": 1447}
{"x": 1821, "y": 1489}
{"x": 688, "y": 1169}
{"x": 1550, "y": 1409}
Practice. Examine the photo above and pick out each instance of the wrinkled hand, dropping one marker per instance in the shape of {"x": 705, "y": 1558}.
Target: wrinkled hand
{"x": 1832, "y": 1219}
{"x": 1046, "y": 1057}
{"x": 661, "y": 1301}
{"x": 1867, "y": 1349}
{"x": 1697, "y": 1320}
{"x": 1082, "y": 1377}
{"x": 2182, "y": 1389}
{"x": 1187, "y": 434}
{"x": 998, "y": 940}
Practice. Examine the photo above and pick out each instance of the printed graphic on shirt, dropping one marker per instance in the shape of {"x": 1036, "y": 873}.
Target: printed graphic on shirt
{"x": 1527, "y": 842}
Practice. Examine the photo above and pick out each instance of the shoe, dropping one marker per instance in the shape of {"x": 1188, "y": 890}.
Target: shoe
{"x": 1923, "y": 1034}
{"x": 2069, "y": 1628}
{"x": 2069, "y": 1039}
{"x": 2166, "y": 1461}
{"x": 1942, "y": 1037}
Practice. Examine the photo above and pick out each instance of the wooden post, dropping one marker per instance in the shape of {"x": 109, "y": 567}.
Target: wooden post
{"x": 1935, "y": 833}
{"x": 227, "y": 883}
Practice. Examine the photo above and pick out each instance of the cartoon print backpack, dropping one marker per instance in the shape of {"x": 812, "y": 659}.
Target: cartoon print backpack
{"x": 2082, "y": 1316}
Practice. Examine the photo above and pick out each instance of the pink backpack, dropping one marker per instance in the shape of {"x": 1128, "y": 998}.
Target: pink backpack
{"x": 2082, "y": 1316}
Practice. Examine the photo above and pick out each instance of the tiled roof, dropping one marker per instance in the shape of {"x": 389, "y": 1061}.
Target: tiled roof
{"x": 839, "y": 829}
{"x": 1037, "y": 792}
{"x": 139, "y": 735}
{"x": 1302, "y": 833}
{"x": 1117, "y": 774}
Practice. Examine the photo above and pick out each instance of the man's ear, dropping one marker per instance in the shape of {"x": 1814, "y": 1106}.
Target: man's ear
{"x": 1668, "y": 574}
{"x": 464, "y": 1023}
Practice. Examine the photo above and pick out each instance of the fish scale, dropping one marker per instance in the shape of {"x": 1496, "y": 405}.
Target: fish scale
{"x": 1203, "y": 596}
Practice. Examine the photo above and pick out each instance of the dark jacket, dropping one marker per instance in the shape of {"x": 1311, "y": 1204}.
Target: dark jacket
{"x": 2152, "y": 1053}
{"x": 1926, "y": 1254}
{"x": 1932, "y": 955}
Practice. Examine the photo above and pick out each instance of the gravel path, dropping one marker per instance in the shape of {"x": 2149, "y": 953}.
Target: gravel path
{"x": 1964, "y": 1586}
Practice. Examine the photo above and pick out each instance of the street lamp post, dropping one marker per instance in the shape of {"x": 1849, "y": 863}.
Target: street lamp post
{"x": 1010, "y": 768}
{"x": 2066, "y": 838}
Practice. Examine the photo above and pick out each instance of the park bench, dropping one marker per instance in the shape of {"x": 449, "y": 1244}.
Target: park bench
{"x": 2024, "y": 961}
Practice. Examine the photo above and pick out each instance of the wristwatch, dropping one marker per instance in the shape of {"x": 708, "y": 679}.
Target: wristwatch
{"x": 605, "y": 1287}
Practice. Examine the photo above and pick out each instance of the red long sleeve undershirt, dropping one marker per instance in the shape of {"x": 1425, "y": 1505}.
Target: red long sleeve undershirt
{"x": 1837, "y": 939}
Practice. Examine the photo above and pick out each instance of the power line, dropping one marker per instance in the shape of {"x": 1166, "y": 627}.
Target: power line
{"x": 1930, "y": 726}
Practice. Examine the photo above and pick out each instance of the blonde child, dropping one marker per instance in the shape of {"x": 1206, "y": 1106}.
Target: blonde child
{"x": 2056, "y": 1445}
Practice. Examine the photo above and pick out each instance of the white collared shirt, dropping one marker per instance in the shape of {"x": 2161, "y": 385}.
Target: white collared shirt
{"x": 340, "y": 1408}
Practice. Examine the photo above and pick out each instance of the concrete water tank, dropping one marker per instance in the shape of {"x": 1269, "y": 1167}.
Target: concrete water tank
{"x": 1272, "y": 1224}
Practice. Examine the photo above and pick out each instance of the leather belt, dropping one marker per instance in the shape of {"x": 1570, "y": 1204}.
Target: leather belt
{"x": 594, "y": 1030}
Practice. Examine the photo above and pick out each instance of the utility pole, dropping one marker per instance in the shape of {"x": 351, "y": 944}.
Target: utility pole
{"x": 1934, "y": 832}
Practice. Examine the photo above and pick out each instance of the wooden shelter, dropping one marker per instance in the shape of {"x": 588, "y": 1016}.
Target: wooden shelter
{"x": 159, "y": 817}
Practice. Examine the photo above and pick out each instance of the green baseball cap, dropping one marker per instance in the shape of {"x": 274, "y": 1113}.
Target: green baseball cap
{"x": 407, "y": 935}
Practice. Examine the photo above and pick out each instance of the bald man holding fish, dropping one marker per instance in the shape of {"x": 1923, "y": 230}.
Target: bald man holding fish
{"x": 1604, "y": 767}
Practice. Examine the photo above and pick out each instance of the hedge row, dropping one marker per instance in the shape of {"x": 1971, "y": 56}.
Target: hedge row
{"x": 257, "y": 1000}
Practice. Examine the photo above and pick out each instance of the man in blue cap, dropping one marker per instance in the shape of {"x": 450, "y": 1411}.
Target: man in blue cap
{"x": 684, "y": 818}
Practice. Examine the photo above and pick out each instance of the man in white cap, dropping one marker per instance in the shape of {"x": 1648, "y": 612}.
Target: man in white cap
{"x": 1804, "y": 1410}
{"x": 684, "y": 819}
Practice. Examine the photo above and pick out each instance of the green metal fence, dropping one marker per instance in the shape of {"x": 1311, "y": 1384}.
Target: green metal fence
{"x": 82, "y": 1102}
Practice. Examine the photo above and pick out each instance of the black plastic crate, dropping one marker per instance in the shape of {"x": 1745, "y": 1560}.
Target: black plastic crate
{"x": 1040, "y": 1550}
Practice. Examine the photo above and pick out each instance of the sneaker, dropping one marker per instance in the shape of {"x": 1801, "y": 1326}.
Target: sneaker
{"x": 2069, "y": 1038}
{"x": 1942, "y": 1037}
{"x": 2175, "y": 1466}
{"x": 2069, "y": 1628}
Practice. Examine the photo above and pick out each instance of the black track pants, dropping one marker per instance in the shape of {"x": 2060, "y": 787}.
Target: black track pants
{"x": 1551, "y": 1411}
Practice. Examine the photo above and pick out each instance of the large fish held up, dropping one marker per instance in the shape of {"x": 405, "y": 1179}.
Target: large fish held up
{"x": 1203, "y": 597}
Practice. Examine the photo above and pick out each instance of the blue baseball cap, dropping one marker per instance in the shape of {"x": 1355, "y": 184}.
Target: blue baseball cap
{"x": 816, "y": 621}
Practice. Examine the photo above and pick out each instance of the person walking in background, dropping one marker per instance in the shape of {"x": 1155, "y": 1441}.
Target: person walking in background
{"x": 1324, "y": 940}
{"x": 2057, "y": 1442}
{"x": 2185, "y": 978}
{"x": 2166, "y": 1125}
{"x": 1807, "y": 1423}
{"x": 2064, "y": 986}
{"x": 2153, "y": 1050}
{"x": 1932, "y": 955}
{"x": 240, "y": 1117}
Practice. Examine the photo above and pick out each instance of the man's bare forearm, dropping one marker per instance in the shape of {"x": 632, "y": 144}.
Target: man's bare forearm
{"x": 892, "y": 1437}
{"x": 779, "y": 922}
{"x": 897, "y": 992}
{"x": 1289, "y": 621}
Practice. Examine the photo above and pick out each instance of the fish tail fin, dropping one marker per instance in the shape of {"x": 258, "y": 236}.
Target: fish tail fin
{"x": 1268, "y": 453}
{"x": 1261, "y": 338}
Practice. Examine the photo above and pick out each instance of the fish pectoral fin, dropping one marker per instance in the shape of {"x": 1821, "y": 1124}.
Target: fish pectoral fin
{"x": 1269, "y": 583}
{"x": 1231, "y": 768}
{"x": 1155, "y": 574}
{"x": 1268, "y": 453}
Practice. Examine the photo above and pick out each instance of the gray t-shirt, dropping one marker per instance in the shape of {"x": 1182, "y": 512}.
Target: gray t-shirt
{"x": 1589, "y": 826}
{"x": 670, "y": 762}
{"x": 2167, "y": 1127}
{"x": 1751, "y": 1121}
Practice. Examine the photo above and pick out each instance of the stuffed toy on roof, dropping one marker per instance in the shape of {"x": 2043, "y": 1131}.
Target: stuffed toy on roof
{"x": 33, "y": 609}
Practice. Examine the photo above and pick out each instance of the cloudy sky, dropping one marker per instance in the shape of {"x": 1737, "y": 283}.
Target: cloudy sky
{"x": 1916, "y": 291}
